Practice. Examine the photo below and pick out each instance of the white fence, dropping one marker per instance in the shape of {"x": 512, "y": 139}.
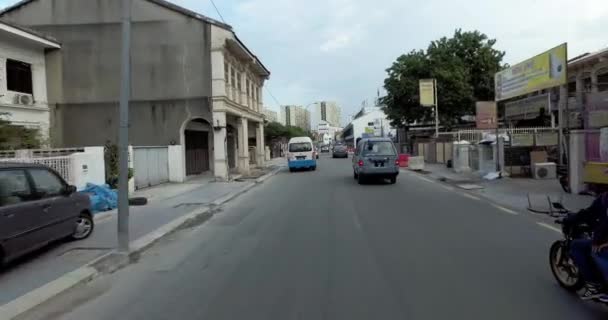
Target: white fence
{"x": 63, "y": 165}
{"x": 476, "y": 135}
{"x": 77, "y": 166}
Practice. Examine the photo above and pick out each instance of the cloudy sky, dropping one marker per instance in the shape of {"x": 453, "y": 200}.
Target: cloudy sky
{"x": 338, "y": 49}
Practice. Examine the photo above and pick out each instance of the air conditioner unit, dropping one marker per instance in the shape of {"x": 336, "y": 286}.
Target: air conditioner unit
{"x": 544, "y": 170}
{"x": 23, "y": 99}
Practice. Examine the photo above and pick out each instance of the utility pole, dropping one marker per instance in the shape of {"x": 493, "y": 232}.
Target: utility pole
{"x": 436, "y": 109}
{"x": 123, "y": 134}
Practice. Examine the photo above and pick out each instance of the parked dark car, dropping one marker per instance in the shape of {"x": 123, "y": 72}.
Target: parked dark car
{"x": 340, "y": 151}
{"x": 38, "y": 207}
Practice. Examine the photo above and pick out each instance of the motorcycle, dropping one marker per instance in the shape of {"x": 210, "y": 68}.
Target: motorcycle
{"x": 562, "y": 266}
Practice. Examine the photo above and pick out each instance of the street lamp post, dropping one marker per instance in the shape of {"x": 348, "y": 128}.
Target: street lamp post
{"x": 123, "y": 133}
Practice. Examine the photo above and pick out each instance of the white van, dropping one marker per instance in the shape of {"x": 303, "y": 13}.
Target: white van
{"x": 301, "y": 154}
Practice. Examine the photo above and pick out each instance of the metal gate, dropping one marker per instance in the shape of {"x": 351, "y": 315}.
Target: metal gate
{"x": 151, "y": 166}
{"x": 197, "y": 152}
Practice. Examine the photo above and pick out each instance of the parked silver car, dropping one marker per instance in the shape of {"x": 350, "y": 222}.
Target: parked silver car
{"x": 38, "y": 207}
{"x": 375, "y": 157}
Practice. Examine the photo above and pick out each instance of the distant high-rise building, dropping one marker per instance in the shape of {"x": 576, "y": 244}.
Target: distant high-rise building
{"x": 327, "y": 111}
{"x": 296, "y": 116}
{"x": 270, "y": 115}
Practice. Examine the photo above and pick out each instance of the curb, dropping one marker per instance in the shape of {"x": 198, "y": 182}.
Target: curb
{"x": 111, "y": 261}
{"x": 268, "y": 175}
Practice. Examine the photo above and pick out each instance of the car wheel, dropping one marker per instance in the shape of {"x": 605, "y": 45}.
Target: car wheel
{"x": 393, "y": 180}
{"x": 314, "y": 168}
{"x": 290, "y": 169}
{"x": 360, "y": 179}
{"x": 84, "y": 227}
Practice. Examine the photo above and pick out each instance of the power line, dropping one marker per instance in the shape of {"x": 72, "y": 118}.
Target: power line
{"x": 218, "y": 11}
{"x": 272, "y": 96}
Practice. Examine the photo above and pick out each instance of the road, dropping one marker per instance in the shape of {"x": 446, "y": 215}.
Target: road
{"x": 316, "y": 245}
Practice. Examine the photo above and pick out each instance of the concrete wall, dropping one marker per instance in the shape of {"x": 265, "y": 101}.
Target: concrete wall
{"x": 89, "y": 167}
{"x": 152, "y": 123}
{"x": 171, "y": 71}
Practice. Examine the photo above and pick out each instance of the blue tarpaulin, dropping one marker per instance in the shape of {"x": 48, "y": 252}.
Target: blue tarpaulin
{"x": 102, "y": 197}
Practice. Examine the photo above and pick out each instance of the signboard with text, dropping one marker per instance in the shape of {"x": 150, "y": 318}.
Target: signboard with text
{"x": 485, "y": 115}
{"x": 543, "y": 71}
{"x": 427, "y": 92}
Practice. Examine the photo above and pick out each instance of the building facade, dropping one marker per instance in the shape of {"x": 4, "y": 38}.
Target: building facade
{"x": 327, "y": 132}
{"x": 270, "y": 115}
{"x": 23, "y": 77}
{"x": 295, "y": 116}
{"x": 586, "y": 116}
{"x": 198, "y": 92}
{"x": 369, "y": 122}
{"x": 327, "y": 111}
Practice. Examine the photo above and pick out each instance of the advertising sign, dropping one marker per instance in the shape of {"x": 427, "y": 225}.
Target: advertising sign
{"x": 522, "y": 140}
{"x": 527, "y": 108}
{"x": 546, "y": 70}
{"x": 546, "y": 139}
{"x": 486, "y": 115}
{"x": 427, "y": 92}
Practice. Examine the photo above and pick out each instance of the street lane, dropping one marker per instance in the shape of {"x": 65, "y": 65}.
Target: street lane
{"x": 316, "y": 245}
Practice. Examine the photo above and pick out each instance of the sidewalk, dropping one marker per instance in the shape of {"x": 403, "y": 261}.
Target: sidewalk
{"x": 167, "y": 203}
{"x": 510, "y": 192}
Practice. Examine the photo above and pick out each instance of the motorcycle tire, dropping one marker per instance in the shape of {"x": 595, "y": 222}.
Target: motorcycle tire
{"x": 571, "y": 286}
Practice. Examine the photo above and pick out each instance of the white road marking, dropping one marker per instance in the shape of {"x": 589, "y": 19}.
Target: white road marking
{"x": 470, "y": 196}
{"x": 550, "y": 227}
{"x": 509, "y": 211}
{"x": 447, "y": 187}
{"x": 356, "y": 220}
{"x": 425, "y": 179}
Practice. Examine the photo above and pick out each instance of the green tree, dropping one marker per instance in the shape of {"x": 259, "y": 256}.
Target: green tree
{"x": 274, "y": 130}
{"x": 464, "y": 67}
{"x": 13, "y": 137}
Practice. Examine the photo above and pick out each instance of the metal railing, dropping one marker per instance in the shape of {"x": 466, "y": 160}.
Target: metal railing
{"x": 62, "y": 164}
{"x": 476, "y": 135}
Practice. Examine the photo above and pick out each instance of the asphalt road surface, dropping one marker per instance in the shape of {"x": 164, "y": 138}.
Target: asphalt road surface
{"x": 316, "y": 245}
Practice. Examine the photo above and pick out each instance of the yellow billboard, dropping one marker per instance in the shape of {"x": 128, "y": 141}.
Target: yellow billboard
{"x": 546, "y": 70}
{"x": 427, "y": 92}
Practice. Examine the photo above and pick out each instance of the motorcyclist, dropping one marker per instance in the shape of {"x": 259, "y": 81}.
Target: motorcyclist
{"x": 591, "y": 255}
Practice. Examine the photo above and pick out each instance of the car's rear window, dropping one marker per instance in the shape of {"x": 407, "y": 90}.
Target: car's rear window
{"x": 300, "y": 147}
{"x": 379, "y": 148}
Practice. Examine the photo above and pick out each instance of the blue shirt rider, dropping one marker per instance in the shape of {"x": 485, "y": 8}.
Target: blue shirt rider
{"x": 591, "y": 255}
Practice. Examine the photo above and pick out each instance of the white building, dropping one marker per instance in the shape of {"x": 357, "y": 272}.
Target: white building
{"x": 295, "y": 116}
{"x": 327, "y": 111}
{"x": 270, "y": 115}
{"x": 23, "y": 80}
{"x": 327, "y": 132}
{"x": 369, "y": 122}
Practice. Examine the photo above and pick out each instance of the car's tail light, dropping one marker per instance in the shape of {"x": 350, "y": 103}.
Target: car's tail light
{"x": 397, "y": 162}
{"x": 360, "y": 163}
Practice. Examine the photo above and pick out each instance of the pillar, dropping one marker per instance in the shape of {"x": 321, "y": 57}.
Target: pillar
{"x": 594, "y": 87}
{"x": 220, "y": 157}
{"x": 243, "y": 137}
{"x": 580, "y": 89}
{"x": 576, "y": 161}
{"x": 561, "y": 118}
{"x": 259, "y": 143}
